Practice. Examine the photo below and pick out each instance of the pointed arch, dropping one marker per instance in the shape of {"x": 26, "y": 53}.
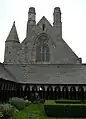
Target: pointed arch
{"x": 27, "y": 92}
{"x": 19, "y": 91}
{"x": 34, "y": 92}
{"x": 65, "y": 92}
{"x": 34, "y": 88}
{"x": 50, "y": 92}
{"x": 57, "y": 93}
{"x": 42, "y": 92}
{"x": 80, "y": 93}
{"x": 42, "y": 49}
{"x": 72, "y": 92}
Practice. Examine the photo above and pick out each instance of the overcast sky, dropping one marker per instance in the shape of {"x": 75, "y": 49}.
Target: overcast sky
{"x": 73, "y": 20}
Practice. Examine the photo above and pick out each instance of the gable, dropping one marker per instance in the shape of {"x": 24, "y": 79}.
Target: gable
{"x": 44, "y": 22}
{"x": 60, "y": 52}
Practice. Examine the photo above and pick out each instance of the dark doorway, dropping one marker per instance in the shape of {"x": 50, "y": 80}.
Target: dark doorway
{"x": 34, "y": 92}
{"x": 80, "y": 93}
{"x": 57, "y": 93}
{"x": 42, "y": 92}
{"x": 65, "y": 92}
{"x": 19, "y": 91}
{"x": 50, "y": 93}
{"x": 27, "y": 92}
{"x": 73, "y": 93}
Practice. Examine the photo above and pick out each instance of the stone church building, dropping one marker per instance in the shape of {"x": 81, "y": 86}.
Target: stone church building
{"x": 42, "y": 63}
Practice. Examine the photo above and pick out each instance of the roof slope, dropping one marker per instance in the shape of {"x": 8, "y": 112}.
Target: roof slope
{"x": 5, "y": 74}
{"x": 13, "y": 36}
{"x": 64, "y": 53}
{"x": 49, "y": 73}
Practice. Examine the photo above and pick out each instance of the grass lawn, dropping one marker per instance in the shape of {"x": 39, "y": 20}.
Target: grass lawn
{"x": 35, "y": 109}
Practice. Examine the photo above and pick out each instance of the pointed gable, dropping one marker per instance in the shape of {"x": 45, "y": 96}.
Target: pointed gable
{"x": 13, "y": 36}
{"x": 44, "y": 21}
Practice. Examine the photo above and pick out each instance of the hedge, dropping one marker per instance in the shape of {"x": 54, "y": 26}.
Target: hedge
{"x": 64, "y": 110}
{"x": 65, "y": 101}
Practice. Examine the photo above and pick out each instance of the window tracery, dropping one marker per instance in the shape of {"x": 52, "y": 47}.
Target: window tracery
{"x": 42, "y": 49}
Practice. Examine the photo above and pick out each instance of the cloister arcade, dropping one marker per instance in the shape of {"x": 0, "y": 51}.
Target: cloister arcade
{"x": 10, "y": 89}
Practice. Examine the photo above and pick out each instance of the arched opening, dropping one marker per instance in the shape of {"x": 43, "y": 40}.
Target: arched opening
{"x": 34, "y": 88}
{"x": 42, "y": 49}
{"x": 72, "y": 93}
{"x": 42, "y": 92}
{"x": 34, "y": 92}
{"x": 15, "y": 91}
{"x": 65, "y": 92}
{"x": 80, "y": 93}
{"x": 11, "y": 90}
{"x": 6, "y": 92}
{"x": 50, "y": 93}
{"x": 3, "y": 92}
{"x": 19, "y": 91}
{"x": 27, "y": 92}
{"x": 57, "y": 93}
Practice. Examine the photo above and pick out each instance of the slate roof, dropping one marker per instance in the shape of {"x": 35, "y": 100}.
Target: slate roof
{"x": 5, "y": 74}
{"x": 48, "y": 73}
{"x": 13, "y": 36}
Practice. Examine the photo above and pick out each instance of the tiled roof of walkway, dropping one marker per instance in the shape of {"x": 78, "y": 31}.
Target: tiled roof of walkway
{"x": 48, "y": 73}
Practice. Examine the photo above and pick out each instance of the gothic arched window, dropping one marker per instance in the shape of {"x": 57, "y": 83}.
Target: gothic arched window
{"x": 42, "y": 49}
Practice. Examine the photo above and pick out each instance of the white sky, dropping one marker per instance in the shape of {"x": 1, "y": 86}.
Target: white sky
{"x": 73, "y": 20}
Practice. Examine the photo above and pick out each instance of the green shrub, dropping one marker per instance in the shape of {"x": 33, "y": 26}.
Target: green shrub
{"x": 65, "y": 110}
{"x": 70, "y": 101}
{"x": 7, "y": 109}
{"x": 54, "y": 102}
{"x": 27, "y": 102}
{"x": 1, "y": 114}
{"x": 19, "y": 103}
